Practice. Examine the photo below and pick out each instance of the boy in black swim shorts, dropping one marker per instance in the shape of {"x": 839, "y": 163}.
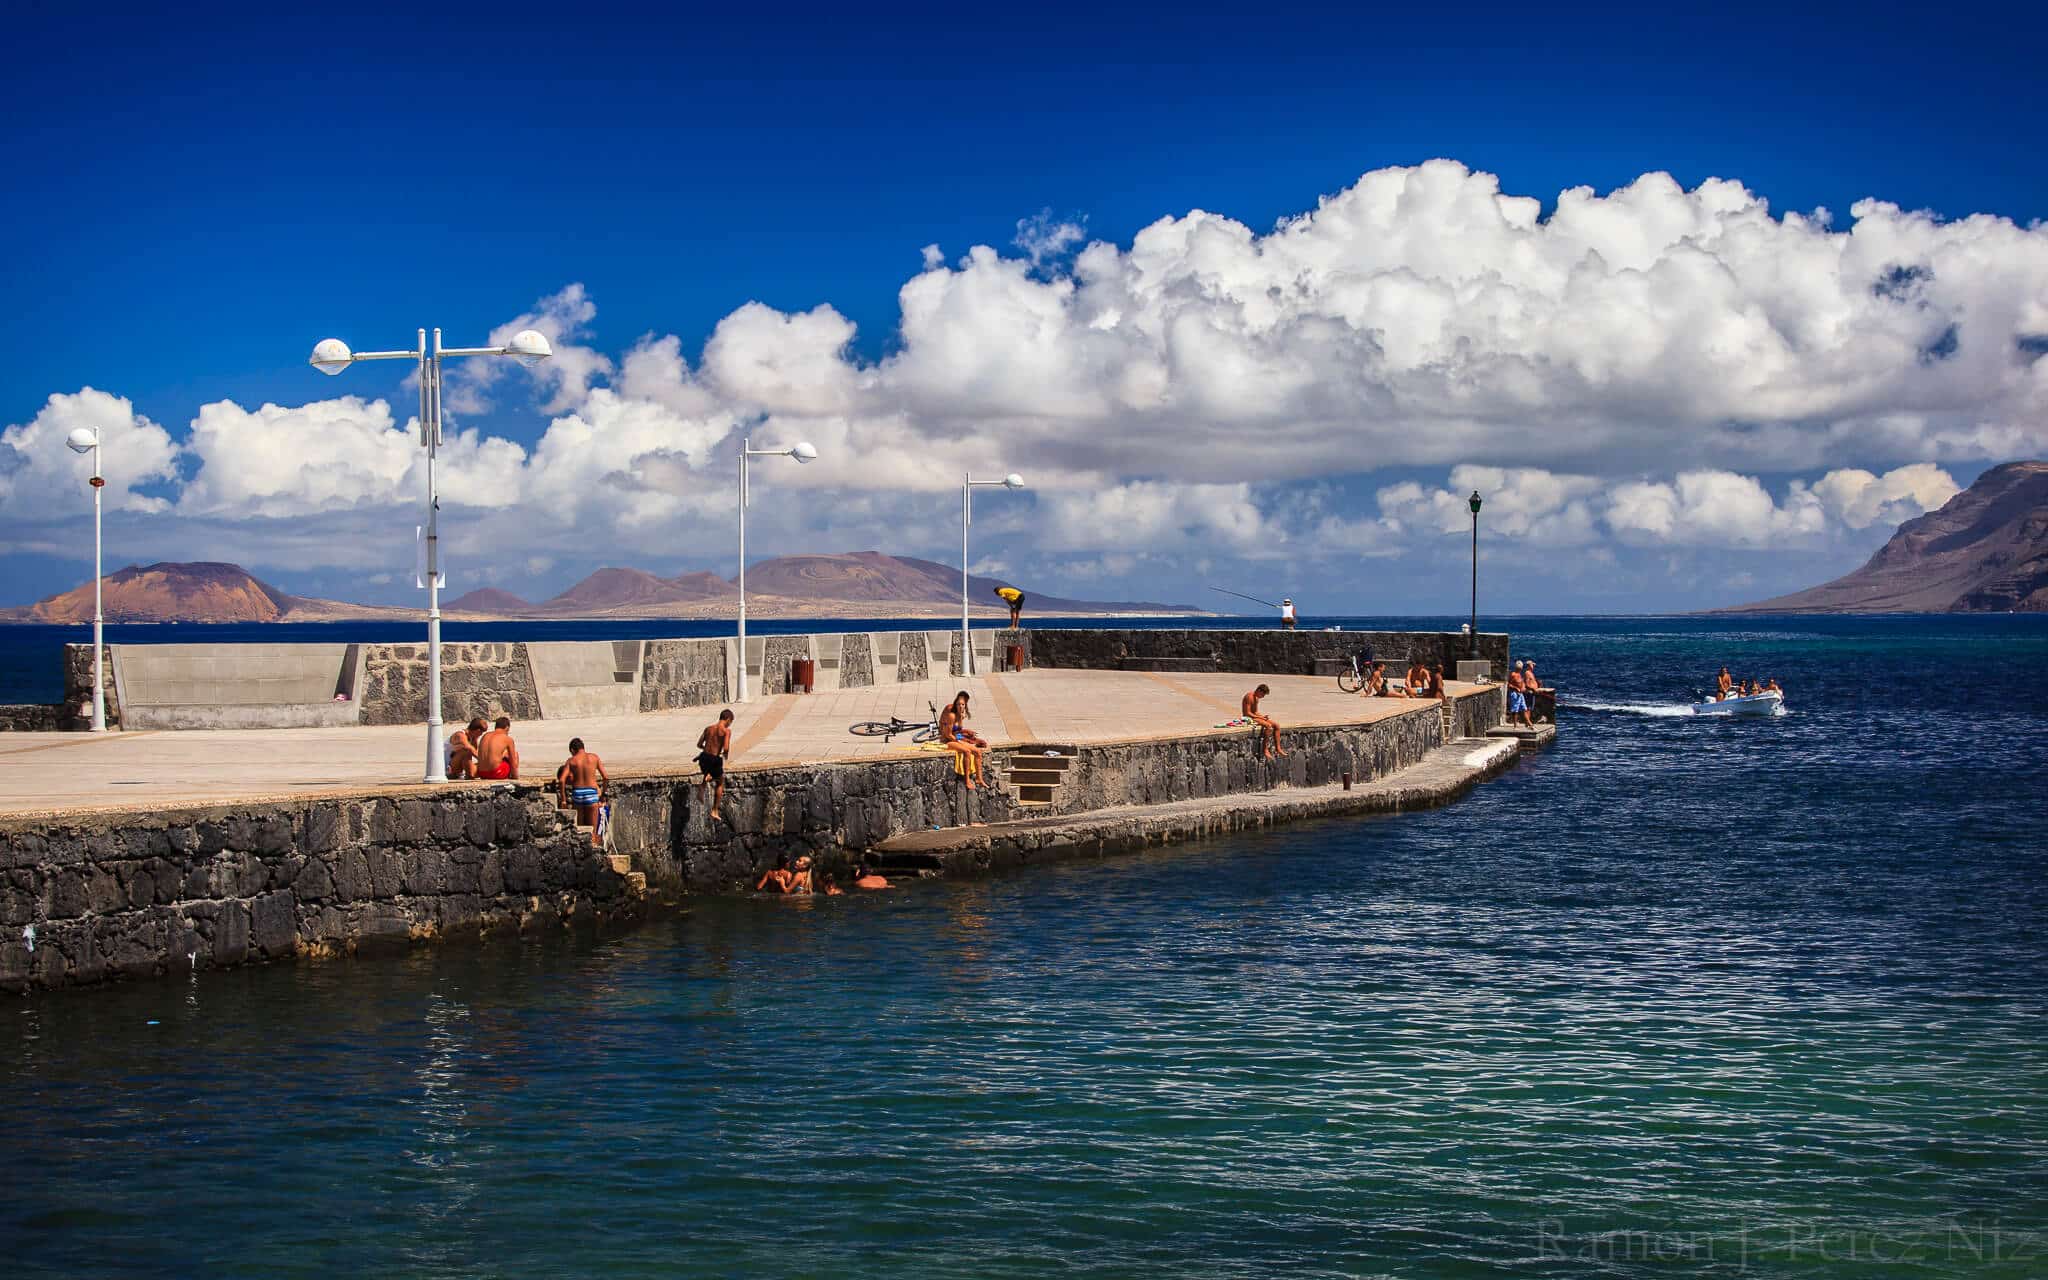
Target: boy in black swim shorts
{"x": 713, "y": 745}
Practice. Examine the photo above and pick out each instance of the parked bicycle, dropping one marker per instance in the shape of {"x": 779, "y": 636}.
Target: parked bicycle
{"x": 1353, "y": 681}
{"x": 921, "y": 730}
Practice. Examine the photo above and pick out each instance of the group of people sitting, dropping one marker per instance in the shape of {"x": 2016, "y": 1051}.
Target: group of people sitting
{"x": 488, "y": 753}
{"x": 788, "y": 876}
{"x": 1422, "y": 680}
{"x": 1726, "y": 686}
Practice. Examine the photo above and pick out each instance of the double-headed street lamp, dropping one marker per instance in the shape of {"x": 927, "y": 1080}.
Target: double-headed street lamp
{"x": 968, "y": 484}
{"x": 802, "y": 453}
{"x": 87, "y": 440}
{"x": 1474, "y": 504}
{"x": 331, "y": 356}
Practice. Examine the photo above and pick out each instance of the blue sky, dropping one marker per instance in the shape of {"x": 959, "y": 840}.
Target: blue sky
{"x": 197, "y": 201}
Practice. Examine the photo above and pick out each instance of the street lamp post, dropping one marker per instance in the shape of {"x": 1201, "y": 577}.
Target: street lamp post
{"x": 802, "y": 453}
{"x": 331, "y": 356}
{"x": 1474, "y": 504}
{"x": 87, "y": 440}
{"x": 968, "y": 484}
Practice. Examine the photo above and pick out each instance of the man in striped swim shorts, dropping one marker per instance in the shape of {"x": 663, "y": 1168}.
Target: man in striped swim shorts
{"x": 582, "y": 781}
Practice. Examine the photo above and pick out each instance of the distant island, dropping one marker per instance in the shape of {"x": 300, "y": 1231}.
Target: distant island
{"x": 865, "y": 584}
{"x": 1985, "y": 551}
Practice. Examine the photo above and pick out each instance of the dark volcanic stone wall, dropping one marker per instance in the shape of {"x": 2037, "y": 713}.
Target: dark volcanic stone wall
{"x": 78, "y": 684}
{"x": 487, "y": 680}
{"x": 776, "y": 655}
{"x": 1271, "y": 652}
{"x": 913, "y": 660}
{"x": 682, "y": 673}
{"x": 34, "y": 717}
{"x": 857, "y": 661}
{"x": 136, "y": 894}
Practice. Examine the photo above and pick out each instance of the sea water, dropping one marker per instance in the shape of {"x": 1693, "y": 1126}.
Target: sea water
{"x": 1676, "y": 996}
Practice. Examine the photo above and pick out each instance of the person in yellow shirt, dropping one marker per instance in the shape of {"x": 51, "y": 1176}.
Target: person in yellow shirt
{"x": 1015, "y": 599}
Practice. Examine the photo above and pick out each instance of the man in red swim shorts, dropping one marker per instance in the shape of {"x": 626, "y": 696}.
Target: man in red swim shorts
{"x": 497, "y": 756}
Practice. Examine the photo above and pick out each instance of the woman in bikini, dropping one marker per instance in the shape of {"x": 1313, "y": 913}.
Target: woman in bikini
{"x": 961, "y": 741}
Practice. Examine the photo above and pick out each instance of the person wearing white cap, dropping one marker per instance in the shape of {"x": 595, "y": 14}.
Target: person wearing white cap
{"x": 1287, "y": 613}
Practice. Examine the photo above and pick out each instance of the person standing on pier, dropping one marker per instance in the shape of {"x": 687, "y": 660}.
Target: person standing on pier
{"x": 582, "y": 782}
{"x": 1269, "y": 731}
{"x": 1286, "y": 613}
{"x": 713, "y": 746}
{"x": 1015, "y": 599}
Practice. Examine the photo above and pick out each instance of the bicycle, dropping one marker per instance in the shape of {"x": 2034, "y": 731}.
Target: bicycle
{"x": 1353, "y": 681}
{"x": 923, "y": 730}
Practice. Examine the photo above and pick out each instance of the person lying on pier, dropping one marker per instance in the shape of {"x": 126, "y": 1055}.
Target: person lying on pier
{"x": 713, "y": 746}
{"x": 961, "y": 740}
{"x": 1269, "y": 732}
{"x": 778, "y": 878}
{"x": 459, "y": 752}
{"x": 581, "y": 781}
{"x": 866, "y": 877}
{"x": 497, "y": 756}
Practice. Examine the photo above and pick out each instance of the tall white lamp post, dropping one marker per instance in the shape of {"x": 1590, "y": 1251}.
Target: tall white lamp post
{"x": 331, "y": 356}
{"x": 802, "y": 453}
{"x": 87, "y": 440}
{"x": 968, "y": 484}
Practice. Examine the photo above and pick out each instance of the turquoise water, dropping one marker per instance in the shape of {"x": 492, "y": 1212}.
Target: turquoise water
{"x": 1675, "y": 997}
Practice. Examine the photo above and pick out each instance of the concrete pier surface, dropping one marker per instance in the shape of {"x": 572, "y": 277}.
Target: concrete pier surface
{"x": 65, "y": 774}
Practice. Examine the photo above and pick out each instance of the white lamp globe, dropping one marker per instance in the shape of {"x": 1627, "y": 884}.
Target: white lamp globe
{"x": 330, "y": 356}
{"x": 804, "y": 452}
{"x": 82, "y": 440}
{"x": 529, "y": 347}
{"x": 1013, "y": 481}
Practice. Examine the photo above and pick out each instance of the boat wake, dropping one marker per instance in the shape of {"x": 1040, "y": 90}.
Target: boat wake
{"x": 1659, "y": 709}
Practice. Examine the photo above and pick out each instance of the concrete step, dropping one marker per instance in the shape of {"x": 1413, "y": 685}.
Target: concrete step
{"x": 1034, "y": 794}
{"x": 621, "y": 864}
{"x": 1036, "y": 777}
{"x": 636, "y": 883}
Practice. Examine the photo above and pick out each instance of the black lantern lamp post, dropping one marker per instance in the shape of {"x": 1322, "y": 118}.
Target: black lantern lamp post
{"x": 1474, "y": 504}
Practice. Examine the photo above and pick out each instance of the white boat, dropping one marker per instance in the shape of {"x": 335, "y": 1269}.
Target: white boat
{"x": 1769, "y": 703}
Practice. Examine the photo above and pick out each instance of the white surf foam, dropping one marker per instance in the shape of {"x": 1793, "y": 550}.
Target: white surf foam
{"x": 1635, "y": 708}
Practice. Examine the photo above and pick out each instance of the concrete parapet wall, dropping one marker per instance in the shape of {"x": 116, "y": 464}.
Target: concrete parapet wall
{"x": 586, "y": 678}
{"x": 1267, "y": 652}
{"x": 233, "y": 686}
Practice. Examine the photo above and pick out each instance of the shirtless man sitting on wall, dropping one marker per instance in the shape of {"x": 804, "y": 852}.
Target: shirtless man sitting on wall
{"x": 1269, "y": 732}
{"x": 461, "y": 749}
{"x": 497, "y": 756}
{"x": 582, "y": 781}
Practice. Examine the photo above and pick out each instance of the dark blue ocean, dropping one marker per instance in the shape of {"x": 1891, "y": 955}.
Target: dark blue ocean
{"x": 1676, "y": 997}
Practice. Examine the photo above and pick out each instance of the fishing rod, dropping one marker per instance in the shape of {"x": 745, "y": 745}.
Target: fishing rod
{"x": 1242, "y": 596}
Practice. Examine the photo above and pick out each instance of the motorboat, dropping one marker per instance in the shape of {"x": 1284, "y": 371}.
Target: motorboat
{"x": 1768, "y": 703}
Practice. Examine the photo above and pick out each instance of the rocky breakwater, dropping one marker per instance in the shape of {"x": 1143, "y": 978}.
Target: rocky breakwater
{"x": 1268, "y": 652}
{"x": 135, "y": 894}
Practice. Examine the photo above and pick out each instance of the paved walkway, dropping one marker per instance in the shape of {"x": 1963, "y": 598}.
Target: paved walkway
{"x": 53, "y": 773}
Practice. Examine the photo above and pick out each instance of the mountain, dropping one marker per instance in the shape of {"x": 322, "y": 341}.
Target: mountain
{"x": 858, "y": 584}
{"x": 488, "y": 600}
{"x": 203, "y": 591}
{"x": 1985, "y": 551}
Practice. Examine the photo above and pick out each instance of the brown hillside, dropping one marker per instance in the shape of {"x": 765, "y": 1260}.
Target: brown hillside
{"x": 205, "y": 591}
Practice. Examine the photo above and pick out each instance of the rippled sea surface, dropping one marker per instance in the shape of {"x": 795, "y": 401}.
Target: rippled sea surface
{"x": 1675, "y": 997}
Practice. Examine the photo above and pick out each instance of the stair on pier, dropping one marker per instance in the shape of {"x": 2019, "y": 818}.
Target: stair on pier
{"x": 1034, "y": 776}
